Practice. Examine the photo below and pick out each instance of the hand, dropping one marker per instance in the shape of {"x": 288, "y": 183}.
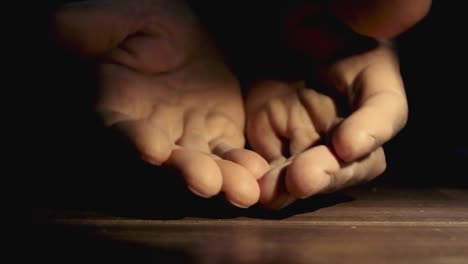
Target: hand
{"x": 163, "y": 84}
{"x": 289, "y": 124}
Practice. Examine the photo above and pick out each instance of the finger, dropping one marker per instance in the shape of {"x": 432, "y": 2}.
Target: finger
{"x": 302, "y": 139}
{"x": 380, "y": 112}
{"x": 321, "y": 109}
{"x": 223, "y": 129}
{"x": 229, "y": 142}
{"x": 194, "y": 136}
{"x": 240, "y": 187}
{"x": 278, "y": 114}
{"x": 319, "y": 113}
{"x": 93, "y": 28}
{"x": 311, "y": 172}
{"x": 201, "y": 173}
{"x": 262, "y": 137}
{"x": 273, "y": 193}
{"x": 381, "y": 19}
{"x": 151, "y": 141}
{"x": 301, "y": 131}
{"x": 359, "y": 171}
{"x": 283, "y": 184}
{"x": 248, "y": 159}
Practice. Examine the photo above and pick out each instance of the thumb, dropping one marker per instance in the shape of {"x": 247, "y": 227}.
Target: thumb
{"x": 93, "y": 27}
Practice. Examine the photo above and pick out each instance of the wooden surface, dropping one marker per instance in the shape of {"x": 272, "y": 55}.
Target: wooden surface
{"x": 363, "y": 225}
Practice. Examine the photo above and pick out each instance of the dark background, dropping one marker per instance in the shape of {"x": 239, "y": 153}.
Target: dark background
{"x": 63, "y": 156}
{"x": 433, "y": 147}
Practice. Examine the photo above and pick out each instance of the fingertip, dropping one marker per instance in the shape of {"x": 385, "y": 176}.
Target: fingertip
{"x": 311, "y": 172}
{"x": 239, "y": 186}
{"x": 155, "y": 157}
{"x": 380, "y": 166}
{"x": 278, "y": 202}
{"x": 201, "y": 173}
{"x": 350, "y": 144}
{"x": 271, "y": 184}
{"x": 157, "y": 151}
{"x": 250, "y": 160}
{"x": 198, "y": 193}
{"x": 302, "y": 184}
{"x": 248, "y": 197}
{"x": 273, "y": 194}
{"x": 153, "y": 144}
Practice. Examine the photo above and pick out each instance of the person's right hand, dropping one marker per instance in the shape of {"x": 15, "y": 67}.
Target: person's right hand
{"x": 165, "y": 87}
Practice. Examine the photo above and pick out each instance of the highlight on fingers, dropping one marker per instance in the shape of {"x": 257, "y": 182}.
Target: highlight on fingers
{"x": 311, "y": 172}
{"x": 273, "y": 193}
{"x": 380, "y": 107}
{"x": 316, "y": 171}
{"x": 229, "y": 144}
{"x": 152, "y": 142}
{"x": 248, "y": 159}
{"x": 263, "y": 138}
{"x": 239, "y": 186}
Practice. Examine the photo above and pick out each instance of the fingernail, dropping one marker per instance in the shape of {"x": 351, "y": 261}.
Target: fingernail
{"x": 150, "y": 160}
{"x": 197, "y": 192}
{"x": 238, "y": 205}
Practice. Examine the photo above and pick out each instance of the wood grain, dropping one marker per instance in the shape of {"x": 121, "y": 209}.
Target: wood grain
{"x": 369, "y": 225}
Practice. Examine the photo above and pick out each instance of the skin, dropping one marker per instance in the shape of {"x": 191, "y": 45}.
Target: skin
{"x": 326, "y": 152}
{"x": 298, "y": 119}
{"x": 164, "y": 85}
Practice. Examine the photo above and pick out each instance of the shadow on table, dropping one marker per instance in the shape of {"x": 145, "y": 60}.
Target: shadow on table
{"x": 159, "y": 193}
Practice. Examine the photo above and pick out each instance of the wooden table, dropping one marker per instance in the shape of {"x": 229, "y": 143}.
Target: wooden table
{"x": 368, "y": 224}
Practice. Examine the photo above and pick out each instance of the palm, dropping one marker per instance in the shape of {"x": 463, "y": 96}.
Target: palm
{"x": 202, "y": 89}
{"x": 163, "y": 84}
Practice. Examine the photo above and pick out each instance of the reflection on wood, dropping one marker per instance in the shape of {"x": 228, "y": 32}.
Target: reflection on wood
{"x": 371, "y": 225}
